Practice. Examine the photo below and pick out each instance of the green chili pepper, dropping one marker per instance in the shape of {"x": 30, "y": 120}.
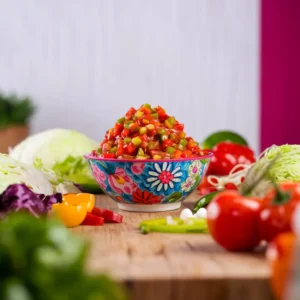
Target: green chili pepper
{"x": 155, "y": 115}
{"x": 204, "y": 201}
{"x": 193, "y": 225}
{"x": 121, "y": 120}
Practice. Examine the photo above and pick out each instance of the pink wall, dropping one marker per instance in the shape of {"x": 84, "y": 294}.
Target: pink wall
{"x": 280, "y": 72}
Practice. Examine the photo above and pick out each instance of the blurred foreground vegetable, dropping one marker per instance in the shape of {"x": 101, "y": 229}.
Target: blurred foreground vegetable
{"x": 41, "y": 259}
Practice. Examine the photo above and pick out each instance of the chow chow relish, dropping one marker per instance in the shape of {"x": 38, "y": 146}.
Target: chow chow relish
{"x": 147, "y": 133}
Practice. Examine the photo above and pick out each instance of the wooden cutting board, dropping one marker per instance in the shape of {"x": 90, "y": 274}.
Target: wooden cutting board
{"x": 173, "y": 266}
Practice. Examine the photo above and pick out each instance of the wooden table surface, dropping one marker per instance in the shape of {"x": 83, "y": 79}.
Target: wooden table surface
{"x": 173, "y": 266}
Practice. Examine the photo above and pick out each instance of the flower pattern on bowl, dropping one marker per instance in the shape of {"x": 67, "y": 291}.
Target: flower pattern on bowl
{"x": 99, "y": 176}
{"x": 194, "y": 168}
{"x": 163, "y": 177}
{"x": 121, "y": 183}
{"x": 145, "y": 197}
{"x": 187, "y": 185}
{"x": 137, "y": 168}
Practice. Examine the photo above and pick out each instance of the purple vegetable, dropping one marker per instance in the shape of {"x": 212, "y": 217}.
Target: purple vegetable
{"x": 19, "y": 197}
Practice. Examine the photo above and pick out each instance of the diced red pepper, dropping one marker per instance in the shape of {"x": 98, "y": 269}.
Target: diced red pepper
{"x": 107, "y": 215}
{"x": 131, "y": 148}
{"x": 167, "y": 143}
{"x": 93, "y": 220}
{"x": 109, "y": 155}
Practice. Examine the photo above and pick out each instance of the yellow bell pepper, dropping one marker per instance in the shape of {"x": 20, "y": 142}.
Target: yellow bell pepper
{"x": 75, "y": 199}
{"x": 72, "y": 215}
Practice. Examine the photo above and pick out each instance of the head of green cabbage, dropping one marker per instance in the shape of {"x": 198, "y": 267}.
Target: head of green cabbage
{"x": 285, "y": 168}
{"x": 59, "y": 150}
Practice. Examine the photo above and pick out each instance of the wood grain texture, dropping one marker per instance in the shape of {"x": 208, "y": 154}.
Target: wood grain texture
{"x": 197, "y": 58}
{"x": 173, "y": 266}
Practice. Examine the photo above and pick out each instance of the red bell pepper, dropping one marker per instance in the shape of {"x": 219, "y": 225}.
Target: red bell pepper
{"x": 108, "y": 215}
{"x": 92, "y": 220}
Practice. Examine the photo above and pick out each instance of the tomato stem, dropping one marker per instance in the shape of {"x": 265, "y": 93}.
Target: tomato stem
{"x": 281, "y": 197}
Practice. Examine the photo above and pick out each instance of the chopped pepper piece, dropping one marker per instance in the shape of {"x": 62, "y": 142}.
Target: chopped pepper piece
{"x": 108, "y": 215}
{"x": 92, "y": 220}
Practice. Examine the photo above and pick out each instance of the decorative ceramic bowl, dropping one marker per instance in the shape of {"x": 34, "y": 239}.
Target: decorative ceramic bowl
{"x": 148, "y": 185}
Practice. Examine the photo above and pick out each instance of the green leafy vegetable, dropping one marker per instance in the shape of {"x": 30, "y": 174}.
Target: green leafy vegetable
{"x": 59, "y": 150}
{"x": 39, "y": 181}
{"x": 15, "y": 110}
{"x": 41, "y": 259}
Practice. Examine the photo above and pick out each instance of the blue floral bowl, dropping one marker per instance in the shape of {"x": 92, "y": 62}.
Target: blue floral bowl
{"x": 148, "y": 185}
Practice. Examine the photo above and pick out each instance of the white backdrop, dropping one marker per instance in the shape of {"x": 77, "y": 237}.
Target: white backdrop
{"x": 85, "y": 62}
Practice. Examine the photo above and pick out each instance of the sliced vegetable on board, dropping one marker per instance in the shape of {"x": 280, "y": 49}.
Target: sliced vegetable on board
{"x": 190, "y": 225}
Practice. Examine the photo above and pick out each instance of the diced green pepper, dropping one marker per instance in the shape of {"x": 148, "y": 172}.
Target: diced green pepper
{"x": 127, "y": 140}
{"x": 172, "y": 136}
{"x": 121, "y": 120}
{"x": 183, "y": 142}
{"x": 150, "y": 127}
{"x": 139, "y": 114}
{"x": 170, "y": 122}
{"x": 170, "y": 150}
{"x": 113, "y": 150}
{"x": 180, "y": 147}
{"x": 193, "y": 225}
{"x": 163, "y": 137}
{"x": 143, "y": 130}
{"x": 204, "y": 201}
{"x": 147, "y": 105}
{"x": 127, "y": 124}
{"x": 161, "y": 131}
{"x": 140, "y": 152}
{"x": 136, "y": 141}
{"x": 155, "y": 115}
{"x": 100, "y": 151}
{"x": 150, "y": 145}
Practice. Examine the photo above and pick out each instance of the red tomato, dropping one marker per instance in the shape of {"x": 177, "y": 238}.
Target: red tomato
{"x": 232, "y": 221}
{"x": 276, "y": 213}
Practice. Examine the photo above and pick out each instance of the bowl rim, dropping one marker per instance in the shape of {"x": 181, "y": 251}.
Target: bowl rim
{"x": 90, "y": 157}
